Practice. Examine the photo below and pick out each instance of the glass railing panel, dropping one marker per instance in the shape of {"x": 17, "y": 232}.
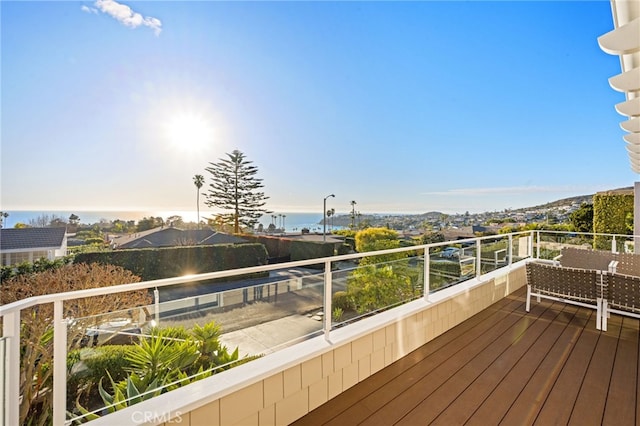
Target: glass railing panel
{"x": 494, "y": 254}
{"x": 521, "y": 245}
{"x": 550, "y": 244}
{"x": 625, "y": 244}
{"x": 450, "y": 265}
{"x": 99, "y": 347}
{"x": 188, "y": 338}
{"x": 367, "y": 288}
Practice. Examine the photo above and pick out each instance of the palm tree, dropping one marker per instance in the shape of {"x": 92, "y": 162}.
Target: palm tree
{"x": 198, "y": 181}
{"x": 330, "y": 213}
{"x": 353, "y": 215}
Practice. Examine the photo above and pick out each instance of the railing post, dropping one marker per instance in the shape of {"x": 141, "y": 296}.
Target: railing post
{"x": 326, "y": 318}
{"x": 510, "y": 249}
{"x": 427, "y": 276}
{"x": 478, "y": 258}
{"x": 156, "y": 306}
{"x": 614, "y": 246}
{"x": 11, "y": 367}
{"x": 537, "y": 233}
{"x": 59, "y": 364}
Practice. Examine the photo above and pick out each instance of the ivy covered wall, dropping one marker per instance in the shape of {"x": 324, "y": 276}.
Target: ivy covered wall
{"x": 611, "y": 213}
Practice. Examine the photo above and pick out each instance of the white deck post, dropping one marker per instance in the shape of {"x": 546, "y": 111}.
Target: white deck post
{"x": 478, "y": 258}
{"x": 156, "y": 306}
{"x": 59, "y": 364}
{"x": 426, "y": 272}
{"x": 10, "y": 403}
{"x": 327, "y": 300}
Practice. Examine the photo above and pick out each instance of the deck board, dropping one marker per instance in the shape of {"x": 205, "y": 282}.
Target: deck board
{"x": 405, "y": 373}
{"x": 559, "y": 404}
{"x": 591, "y": 400}
{"x": 503, "y": 396}
{"x": 622, "y": 403}
{"x": 504, "y": 366}
{"x": 524, "y": 335}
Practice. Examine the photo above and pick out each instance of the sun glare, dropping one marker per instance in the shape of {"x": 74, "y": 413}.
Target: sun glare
{"x": 188, "y": 132}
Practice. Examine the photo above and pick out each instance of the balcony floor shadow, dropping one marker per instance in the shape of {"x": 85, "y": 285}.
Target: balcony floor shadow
{"x": 504, "y": 366}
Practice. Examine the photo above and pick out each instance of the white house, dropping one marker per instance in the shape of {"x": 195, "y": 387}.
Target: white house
{"x": 29, "y": 244}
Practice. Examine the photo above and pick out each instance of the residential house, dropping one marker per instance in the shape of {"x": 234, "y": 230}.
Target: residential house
{"x": 19, "y": 245}
{"x": 172, "y": 237}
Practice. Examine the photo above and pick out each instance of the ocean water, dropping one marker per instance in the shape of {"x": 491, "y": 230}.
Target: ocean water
{"x": 291, "y": 221}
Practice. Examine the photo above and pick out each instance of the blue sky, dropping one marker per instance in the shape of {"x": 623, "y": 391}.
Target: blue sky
{"x": 401, "y": 106}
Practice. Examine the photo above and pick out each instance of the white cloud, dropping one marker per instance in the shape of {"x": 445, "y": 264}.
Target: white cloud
{"x": 125, "y": 15}
{"x": 88, "y": 9}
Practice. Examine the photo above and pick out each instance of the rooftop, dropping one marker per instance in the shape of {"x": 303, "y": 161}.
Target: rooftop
{"x": 31, "y": 238}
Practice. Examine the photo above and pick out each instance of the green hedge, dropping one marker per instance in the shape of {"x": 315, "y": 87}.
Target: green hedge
{"x": 610, "y": 210}
{"x": 277, "y": 247}
{"x": 152, "y": 264}
{"x": 303, "y": 250}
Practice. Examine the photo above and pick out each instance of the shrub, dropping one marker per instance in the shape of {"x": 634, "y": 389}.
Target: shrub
{"x": 111, "y": 358}
{"x": 168, "y": 358}
{"x": 39, "y": 265}
{"x": 372, "y": 288}
{"x": 341, "y": 300}
{"x": 337, "y": 314}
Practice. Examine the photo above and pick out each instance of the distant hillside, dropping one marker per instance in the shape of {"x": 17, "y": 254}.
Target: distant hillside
{"x": 563, "y": 202}
{"x": 406, "y": 221}
{"x": 568, "y": 201}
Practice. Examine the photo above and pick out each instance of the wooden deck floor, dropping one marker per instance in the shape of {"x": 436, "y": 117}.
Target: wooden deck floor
{"x": 505, "y": 366}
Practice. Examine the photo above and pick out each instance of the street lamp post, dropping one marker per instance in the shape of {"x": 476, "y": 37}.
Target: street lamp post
{"x": 324, "y": 217}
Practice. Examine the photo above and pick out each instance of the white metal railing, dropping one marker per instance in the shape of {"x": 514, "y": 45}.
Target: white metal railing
{"x": 10, "y": 314}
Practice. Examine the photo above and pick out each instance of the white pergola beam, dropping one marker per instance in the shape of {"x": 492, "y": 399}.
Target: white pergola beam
{"x": 630, "y": 108}
{"x": 632, "y": 139}
{"x": 622, "y": 40}
{"x": 627, "y": 81}
{"x": 632, "y": 125}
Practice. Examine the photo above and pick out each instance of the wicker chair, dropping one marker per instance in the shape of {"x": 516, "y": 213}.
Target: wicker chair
{"x": 628, "y": 264}
{"x": 622, "y": 297}
{"x": 581, "y": 287}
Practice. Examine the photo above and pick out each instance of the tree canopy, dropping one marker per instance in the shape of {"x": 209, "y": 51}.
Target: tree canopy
{"x": 582, "y": 219}
{"x": 374, "y": 239}
{"x": 234, "y": 187}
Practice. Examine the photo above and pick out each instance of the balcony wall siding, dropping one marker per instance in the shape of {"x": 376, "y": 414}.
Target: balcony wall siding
{"x": 289, "y": 391}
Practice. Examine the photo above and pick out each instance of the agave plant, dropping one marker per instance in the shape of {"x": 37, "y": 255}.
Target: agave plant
{"x": 127, "y": 392}
{"x": 165, "y": 360}
{"x": 154, "y": 357}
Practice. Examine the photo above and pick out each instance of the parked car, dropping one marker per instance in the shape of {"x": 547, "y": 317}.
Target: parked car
{"x": 450, "y": 252}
